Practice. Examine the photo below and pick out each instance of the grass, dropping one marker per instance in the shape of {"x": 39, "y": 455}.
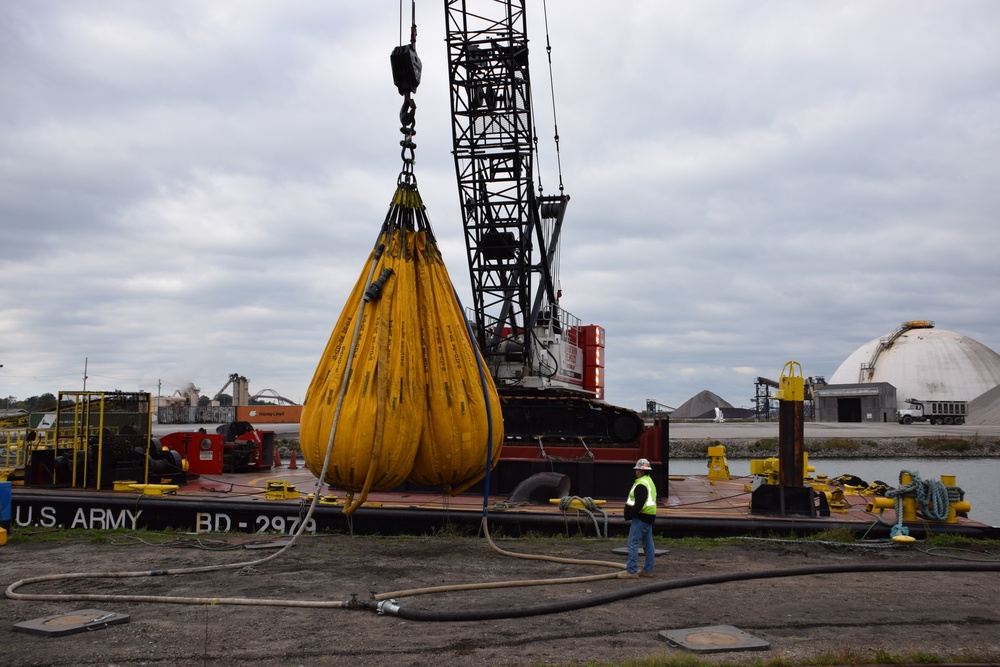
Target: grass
{"x": 838, "y": 445}
{"x": 26, "y": 535}
{"x": 848, "y": 657}
{"x": 953, "y": 541}
{"x": 94, "y": 536}
{"x": 764, "y": 446}
{"x": 943, "y": 444}
{"x": 839, "y": 535}
{"x": 695, "y": 543}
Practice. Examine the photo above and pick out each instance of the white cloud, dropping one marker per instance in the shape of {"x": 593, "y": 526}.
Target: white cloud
{"x": 191, "y": 189}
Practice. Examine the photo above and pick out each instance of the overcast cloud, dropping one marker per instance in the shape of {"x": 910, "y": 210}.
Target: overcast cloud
{"x": 189, "y": 189}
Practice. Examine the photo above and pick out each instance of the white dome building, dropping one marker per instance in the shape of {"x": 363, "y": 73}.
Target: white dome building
{"x": 924, "y": 363}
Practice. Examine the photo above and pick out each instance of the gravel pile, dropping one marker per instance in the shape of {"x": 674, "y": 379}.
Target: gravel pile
{"x": 986, "y": 408}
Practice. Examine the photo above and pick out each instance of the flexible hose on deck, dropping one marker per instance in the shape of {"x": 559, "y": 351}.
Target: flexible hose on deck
{"x": 380, "y": 597}
{"x": 658, "y": 587}
{"x": 552, "y": 559}
{"x": 171, "y": 599}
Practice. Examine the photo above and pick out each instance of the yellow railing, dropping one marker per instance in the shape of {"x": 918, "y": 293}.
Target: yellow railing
{"x": 15, "y": 443}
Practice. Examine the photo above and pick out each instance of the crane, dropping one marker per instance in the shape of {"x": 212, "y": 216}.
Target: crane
{"x": 547, "y": 365}
{"x": 241, "y": 390}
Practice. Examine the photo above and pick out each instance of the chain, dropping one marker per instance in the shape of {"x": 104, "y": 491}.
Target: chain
{"x": 408, "y": 121}
{"x": 406, "y": 76}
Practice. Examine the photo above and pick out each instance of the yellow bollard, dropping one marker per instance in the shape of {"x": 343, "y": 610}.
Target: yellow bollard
{"x": 956, "y": 507}
{"x": 718, "y": 466}
{"x": 909, "y": 501}
{"x": 880, "y": 503}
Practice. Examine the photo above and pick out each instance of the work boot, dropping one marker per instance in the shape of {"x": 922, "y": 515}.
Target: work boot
{"x": 644, "y": 573}
{"x": 628, "y": 575}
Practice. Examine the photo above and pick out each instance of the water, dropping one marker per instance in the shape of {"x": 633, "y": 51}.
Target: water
{"x": 977, "y": 477}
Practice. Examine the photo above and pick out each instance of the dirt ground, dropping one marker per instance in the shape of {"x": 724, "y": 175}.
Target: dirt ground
{"x": 947, "y": 614}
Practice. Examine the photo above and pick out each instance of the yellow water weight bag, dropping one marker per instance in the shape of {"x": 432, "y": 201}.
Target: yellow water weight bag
{"x": 400, "y": 392}
{"x": 463, "y": 408}
{"x": 371, "y": 393}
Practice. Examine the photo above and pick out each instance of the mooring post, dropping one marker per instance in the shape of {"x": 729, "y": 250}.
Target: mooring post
{"x": 791, "y": 425}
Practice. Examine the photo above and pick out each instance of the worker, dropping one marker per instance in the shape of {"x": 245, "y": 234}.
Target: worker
{"x": 640, "y": 510}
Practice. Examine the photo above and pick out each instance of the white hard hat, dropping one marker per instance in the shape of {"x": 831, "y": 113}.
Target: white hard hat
{"x": 642, "y": 464}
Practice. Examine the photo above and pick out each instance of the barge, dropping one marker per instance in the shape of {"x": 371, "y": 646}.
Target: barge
{"x": 274, "y": 501}
{"x": 102, "y": 468}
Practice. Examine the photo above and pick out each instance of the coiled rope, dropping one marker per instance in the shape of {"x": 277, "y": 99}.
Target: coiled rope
{"x": 589, "y": 506}
{"x": 932, "y": 498}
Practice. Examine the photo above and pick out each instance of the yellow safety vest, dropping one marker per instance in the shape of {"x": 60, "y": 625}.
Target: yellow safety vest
{"x": 650, "y": 506}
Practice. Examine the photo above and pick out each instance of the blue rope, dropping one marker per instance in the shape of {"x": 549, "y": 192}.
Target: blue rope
{"x": 932, "y": 499}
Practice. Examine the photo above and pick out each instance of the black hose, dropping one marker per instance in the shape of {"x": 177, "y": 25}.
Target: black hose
{"x": 636, "y": 591}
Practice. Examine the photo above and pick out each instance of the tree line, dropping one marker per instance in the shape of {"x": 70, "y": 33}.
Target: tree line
{"x": 47, "y": 402}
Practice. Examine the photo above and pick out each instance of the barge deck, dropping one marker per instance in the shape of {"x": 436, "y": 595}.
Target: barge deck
{"x": 276, "y": 501}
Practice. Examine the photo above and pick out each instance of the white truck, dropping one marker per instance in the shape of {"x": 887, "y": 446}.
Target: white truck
{"x": 936, "y": 412}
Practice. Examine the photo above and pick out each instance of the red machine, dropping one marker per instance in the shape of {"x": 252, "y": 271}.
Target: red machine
{"x": 234, "y": 447}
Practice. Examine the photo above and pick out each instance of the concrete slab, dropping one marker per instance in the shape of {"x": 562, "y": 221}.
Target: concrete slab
{"x": 72, "y": 622}
{"x": 714, "y": 639}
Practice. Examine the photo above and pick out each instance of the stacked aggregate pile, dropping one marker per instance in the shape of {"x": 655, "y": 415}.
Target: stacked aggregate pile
{"x": 985, "y": 409}
{"x": 699, "y": 405}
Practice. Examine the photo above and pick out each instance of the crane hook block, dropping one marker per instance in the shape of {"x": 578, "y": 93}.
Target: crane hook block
{"x": 405, "y": 68}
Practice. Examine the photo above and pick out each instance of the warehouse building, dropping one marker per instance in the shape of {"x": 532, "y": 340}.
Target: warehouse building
{"x": 870, "y": 402}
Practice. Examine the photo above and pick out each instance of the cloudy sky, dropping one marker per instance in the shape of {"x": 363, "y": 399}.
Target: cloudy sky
{"x": 189, "y": 189}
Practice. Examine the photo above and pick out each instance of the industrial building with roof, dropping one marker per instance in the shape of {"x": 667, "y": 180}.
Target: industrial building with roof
{"x": 915, "y": 361}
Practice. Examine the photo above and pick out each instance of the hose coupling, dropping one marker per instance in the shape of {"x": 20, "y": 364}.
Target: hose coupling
{"x": 374, "y": 291}
{"x": 387, "y": 607}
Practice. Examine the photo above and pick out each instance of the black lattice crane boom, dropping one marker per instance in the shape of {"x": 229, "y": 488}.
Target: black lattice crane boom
{"x": 511, "y": 233}
{"x": 536, "y": 352}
